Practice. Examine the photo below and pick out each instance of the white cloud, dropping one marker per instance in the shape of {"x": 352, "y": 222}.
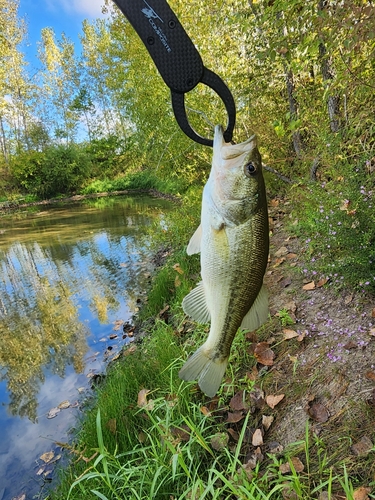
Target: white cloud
{"x": 85, "y": 8}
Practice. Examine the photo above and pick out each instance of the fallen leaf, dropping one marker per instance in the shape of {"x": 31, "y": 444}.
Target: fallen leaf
{"x": 285, "y": 282}
{"x": 318, "y": 412}
{"x": 363, "y": 447}
{"x": 256, "y": 399}
{"x": 234, "y": 417}
{"x": 237, "y": 402}
{"x": 348, "y": 299}
{"x": 296, "y": 463}
{"x": 177, "y": 268}
{"x": 321, "y": 282}
{"x": 112, "y": 426}
{"x": 53, "y": 412}
{"x": 281, "y": 252}
{"x": 272, "y": 401}
{"x": 291, "y": 256}
{"x": 264, "y": 354}
{"x": 234, "y": 435}
{"x": 291, "y": 306}
{"x": 373, "y": 313}
{"x": 47, "y": 457}
{"x": 267, "y": 421}
{"x": 219, "y": 441}
{"x": 288, "y": 492}
{"x": 309, "y": 286}
{"x": 289, "y": 334}
{"x": 302, "y": 335}
{"x": 350, "y": 345}
{"x": 372, "y": 332}
{"x": 206, "y": 412}
{"x": 64, "y": 405}
{"x": 142, "y": 398}
{"x": 257, "y": 439}
{"x": 361, "y": 493}
{"x": 181, "y": 433}
{"x": 278, "y": 262}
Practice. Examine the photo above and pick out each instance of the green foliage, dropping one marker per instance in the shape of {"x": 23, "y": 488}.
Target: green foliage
{"x": 337, "y": 225}
{"x": 58, "y": 169}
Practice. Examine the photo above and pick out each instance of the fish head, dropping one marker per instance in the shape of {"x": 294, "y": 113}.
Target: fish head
{"x": 237, "y": 182}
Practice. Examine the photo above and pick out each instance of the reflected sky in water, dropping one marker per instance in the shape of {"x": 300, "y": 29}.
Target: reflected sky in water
{"x": 69, "y": 277}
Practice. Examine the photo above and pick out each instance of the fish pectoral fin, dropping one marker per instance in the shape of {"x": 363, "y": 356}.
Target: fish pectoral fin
{"x": 258, "y": 313}
{"x": 209, "y": 372}
{"x": 194, "y": 245}
{"x": 195, "y": 305}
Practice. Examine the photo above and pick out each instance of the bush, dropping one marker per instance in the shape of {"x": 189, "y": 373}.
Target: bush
{"x": 57, "y": 170}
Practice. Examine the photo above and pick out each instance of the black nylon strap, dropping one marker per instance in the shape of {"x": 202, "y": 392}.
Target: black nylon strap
{"x": 176, "y": 59}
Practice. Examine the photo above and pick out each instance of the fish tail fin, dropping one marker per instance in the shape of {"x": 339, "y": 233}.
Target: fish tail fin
{"x": 209, "y": 372}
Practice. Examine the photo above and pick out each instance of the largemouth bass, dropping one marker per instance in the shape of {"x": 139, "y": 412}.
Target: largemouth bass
{"x": 233, "y": 240}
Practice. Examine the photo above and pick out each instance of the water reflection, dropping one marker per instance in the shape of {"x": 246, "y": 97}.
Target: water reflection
{"x": 66, "y": 275}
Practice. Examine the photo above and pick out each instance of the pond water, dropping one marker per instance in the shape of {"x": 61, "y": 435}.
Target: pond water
{"x": 70, "y": 277}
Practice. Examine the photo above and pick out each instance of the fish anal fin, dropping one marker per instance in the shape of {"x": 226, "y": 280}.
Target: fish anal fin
{"x": 194, "y": 245}
{"x": 209, "y": 372}
{"x": 195, "y": 304}
{"x": 258, "y": 313}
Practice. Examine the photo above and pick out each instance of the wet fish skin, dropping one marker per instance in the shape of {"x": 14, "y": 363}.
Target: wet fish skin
{"x": 233, "y": 240}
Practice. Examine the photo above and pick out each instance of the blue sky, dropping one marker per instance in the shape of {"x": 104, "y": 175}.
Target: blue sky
{"x": 61, "y": 15}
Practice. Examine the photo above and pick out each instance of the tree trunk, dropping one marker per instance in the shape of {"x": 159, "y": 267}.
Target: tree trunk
{"x": 3, "y": 143}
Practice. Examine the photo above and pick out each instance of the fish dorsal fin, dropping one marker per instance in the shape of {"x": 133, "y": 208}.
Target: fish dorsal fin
{"x": 194, "y": 245}
{"x": 258, "y": 313}
{"x": 195, "y": 305}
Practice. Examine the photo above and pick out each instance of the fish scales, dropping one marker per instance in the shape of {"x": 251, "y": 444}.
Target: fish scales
{"x": 233, "y": 241}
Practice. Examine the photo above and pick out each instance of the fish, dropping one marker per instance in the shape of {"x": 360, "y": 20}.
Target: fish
{"x": 233, "y": 242}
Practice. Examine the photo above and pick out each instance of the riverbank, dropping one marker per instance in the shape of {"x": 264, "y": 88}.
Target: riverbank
{"x": 7, "y": 206}
{"x": 294, "y": 418}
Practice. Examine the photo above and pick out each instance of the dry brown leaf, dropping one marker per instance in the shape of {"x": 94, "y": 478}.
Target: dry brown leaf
{"x": 281, "y": 252}
{"x": 267, "y": 421}
{"x": 297, "y": 464}
{"x": 302, "y": 335}
{"x": 372, "y": 332}
{"x": 278, "y": 262}
{"x": 363, "y": 447}
{"x": 373, "y": 313}
{"x": 234, "y": 417}
{"x": 112, "y": 426}
{"x": 285, "y": 282}
{"x": 321, "y": 282}
{"x": 234, "y": 435}
{"x": 318, "y": 412}
{"x": 177, "y": 282}
{"x": 177, "y": 268}
{"x": 289, "y": 334}
{"x": 272, "y": 401}
{"x": 309, "y": 286}
{"x": 348, "y": 299}
{"x": 47, "y": 457}
{"x": 257, "y": 439}
{"x": 291, "y": 256}
{"x": 237, "y": 402}
{"x": 264, "y": 354}
{"x": 181, "y": 433}
{"x": 361, "y": 493}
{"x": 291, "y": 306}
{"x": 142, "y": 398}
{"x": 206, "y": 412}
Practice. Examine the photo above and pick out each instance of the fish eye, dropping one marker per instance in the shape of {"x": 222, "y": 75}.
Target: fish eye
{"x": 250, "y": 169}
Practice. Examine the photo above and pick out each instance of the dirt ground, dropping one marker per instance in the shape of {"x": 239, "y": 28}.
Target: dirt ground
{"x": 326, "y": 368}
